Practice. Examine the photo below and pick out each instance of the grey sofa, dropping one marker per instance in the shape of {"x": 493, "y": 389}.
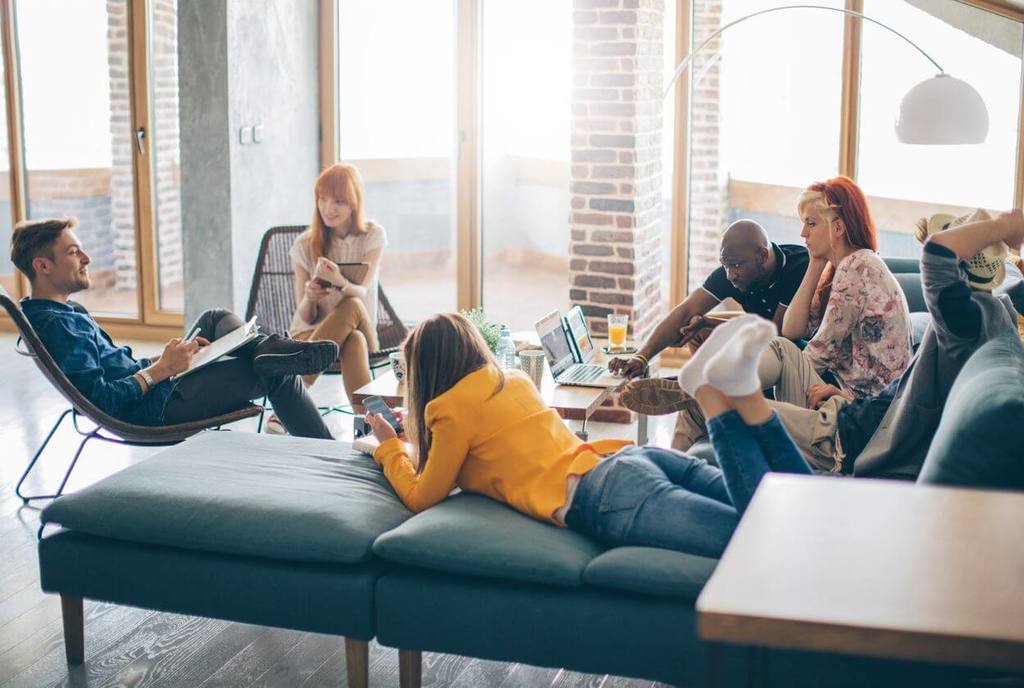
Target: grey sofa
{"x": 306, "y": 534}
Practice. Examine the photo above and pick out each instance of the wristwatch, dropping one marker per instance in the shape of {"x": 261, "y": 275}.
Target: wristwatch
{"x": 147, "y": 377}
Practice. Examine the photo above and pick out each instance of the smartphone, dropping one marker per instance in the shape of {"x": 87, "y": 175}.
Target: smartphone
{"x": 374, "y": 404}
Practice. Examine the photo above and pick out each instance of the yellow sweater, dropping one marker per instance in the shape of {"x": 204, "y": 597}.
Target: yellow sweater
{"x": 510, "y": 447}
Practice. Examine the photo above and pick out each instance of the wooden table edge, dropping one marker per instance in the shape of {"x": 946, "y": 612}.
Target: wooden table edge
{"x": 817, "y": 636}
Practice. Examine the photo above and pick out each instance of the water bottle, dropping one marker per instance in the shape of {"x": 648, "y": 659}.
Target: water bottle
{"x": 506, "y": 350}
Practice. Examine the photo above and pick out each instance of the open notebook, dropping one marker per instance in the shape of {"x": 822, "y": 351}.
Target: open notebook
{"x": 222, "y": 347}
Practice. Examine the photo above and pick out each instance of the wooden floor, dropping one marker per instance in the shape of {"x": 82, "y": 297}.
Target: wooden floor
{"x": 135, "y": 647}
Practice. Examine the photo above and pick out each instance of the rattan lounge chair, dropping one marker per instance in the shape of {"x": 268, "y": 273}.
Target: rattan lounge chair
{"x": 107, "y": 428}
{"x": 272, "y": 295}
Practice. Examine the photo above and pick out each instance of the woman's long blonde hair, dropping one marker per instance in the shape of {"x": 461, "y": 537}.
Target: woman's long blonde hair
{"x": 839, "y": 197}
{"x": 343, "y": 181}
{"x": 439, "y": 352}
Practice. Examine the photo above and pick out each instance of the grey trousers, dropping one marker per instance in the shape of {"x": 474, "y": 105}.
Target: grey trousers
{"x": 230, "y": 383}
{"x": 784, "y": 368}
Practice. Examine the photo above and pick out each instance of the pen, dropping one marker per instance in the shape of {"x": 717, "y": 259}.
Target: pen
{"x": 192, "y": 335}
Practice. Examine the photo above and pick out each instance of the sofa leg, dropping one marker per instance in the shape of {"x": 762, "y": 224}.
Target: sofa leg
{"x": 357, "y": 662}
{"x": 410, "y": 668}
{"x": 74, "y": 628}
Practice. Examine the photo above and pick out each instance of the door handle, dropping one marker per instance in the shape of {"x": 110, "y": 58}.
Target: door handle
{"x": 140, "y": 134}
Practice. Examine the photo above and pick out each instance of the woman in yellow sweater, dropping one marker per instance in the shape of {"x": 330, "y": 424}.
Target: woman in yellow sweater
{"x": 486, "y": 431}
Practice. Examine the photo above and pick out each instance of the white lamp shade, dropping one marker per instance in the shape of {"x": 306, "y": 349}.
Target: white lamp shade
{"x": 942, "y": 110}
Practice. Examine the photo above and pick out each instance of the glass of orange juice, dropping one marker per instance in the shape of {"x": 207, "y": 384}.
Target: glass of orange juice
{"x": 617, "y": 323}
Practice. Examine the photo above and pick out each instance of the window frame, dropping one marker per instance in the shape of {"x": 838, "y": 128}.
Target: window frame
{"x": 467, "y": 125}
{"x": 849, "y": 123}
{"x": 151, "y": 321}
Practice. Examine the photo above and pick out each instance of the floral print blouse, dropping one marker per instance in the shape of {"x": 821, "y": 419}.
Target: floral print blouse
{"x": 864, "y": 336}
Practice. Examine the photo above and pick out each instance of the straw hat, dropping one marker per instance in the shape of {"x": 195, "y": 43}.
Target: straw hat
{"x": 986, "y": 269}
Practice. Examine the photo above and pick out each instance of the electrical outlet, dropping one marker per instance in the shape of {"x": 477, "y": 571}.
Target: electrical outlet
{"x": 258, "y": 133}
{"x": 244, "y": 135}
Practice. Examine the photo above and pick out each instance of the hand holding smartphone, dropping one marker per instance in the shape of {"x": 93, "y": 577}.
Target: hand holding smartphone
{"x": 374, "y": 404}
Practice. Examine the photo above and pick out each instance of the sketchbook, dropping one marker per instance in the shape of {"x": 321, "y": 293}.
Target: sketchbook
{"x": 353, "y": 272}
{"x": 221, "y": 347}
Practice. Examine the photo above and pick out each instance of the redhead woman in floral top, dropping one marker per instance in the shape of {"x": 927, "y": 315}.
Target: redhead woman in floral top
{"x": 849, "y": 305}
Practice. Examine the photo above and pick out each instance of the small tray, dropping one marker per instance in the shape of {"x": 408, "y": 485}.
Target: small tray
{"x": 616, "y": 350}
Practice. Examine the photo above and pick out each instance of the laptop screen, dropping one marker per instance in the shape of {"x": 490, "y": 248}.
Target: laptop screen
{"x": 554, "y": 342}
{"x": 580, "y": 334}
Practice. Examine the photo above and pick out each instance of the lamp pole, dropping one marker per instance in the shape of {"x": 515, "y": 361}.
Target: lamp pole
{"x": 940, "y": 110}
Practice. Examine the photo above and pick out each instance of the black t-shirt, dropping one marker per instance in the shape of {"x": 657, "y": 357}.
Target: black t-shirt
{"x": 790, "y": 266}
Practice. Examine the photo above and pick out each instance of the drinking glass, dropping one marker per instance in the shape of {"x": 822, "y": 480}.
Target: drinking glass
{"x": 617, "y": 324}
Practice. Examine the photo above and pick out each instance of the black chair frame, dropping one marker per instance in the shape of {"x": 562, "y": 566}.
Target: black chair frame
{"x": 107, "y": 428}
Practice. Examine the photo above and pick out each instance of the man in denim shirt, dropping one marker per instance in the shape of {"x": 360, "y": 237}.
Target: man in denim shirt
{"x": 142, "y": 391}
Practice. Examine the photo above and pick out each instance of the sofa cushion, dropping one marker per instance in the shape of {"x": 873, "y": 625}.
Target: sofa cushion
{"x": 476, "y": 536}
{"x": 650, "y": 571}
{"x": 239, "y": 493}
{"x": 978, "y": 442}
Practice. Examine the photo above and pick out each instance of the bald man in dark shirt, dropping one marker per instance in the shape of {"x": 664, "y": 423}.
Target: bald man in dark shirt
{"x": 760, "y": 275}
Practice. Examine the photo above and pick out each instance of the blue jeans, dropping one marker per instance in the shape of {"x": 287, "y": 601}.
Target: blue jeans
{"x": 653, "y": 497}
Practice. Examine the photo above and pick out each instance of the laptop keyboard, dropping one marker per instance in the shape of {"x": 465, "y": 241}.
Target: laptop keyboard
{"x": 582, "y": 373}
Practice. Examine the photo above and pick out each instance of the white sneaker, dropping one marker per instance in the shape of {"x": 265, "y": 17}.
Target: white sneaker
{"x": 273, "y": 426}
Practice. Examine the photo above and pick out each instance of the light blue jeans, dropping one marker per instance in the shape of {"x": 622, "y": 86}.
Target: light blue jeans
{"x": 654, "y": 497}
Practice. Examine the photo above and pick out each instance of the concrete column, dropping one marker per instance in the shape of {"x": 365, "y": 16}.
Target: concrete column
{"x": 243, "y": 63}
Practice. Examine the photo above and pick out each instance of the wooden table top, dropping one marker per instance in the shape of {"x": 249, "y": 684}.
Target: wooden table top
{"x": 873, "y": 567}
{"x": 562, "y": 398}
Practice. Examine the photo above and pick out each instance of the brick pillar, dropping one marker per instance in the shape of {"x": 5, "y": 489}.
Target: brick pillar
{"x": 709, "y": 197}
{"x": 122, "y": 199}
{"x": 617, "y": 104}
{"x": 164, "y": 68}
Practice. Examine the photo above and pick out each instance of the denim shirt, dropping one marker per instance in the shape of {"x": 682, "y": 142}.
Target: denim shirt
{"x": 98, "y": 369}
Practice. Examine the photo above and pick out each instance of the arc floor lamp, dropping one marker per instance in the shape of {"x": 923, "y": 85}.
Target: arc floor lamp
{"x": 940, "y": 110}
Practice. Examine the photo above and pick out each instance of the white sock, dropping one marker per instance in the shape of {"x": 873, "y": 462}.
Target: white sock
{"x": 692, "y": 375}
{"x": 733, "y": 370}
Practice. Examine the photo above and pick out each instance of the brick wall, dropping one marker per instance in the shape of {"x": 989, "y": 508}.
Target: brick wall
{"x": 709, "y": 198}
{"x": 164, "y": 114}
{"x": 164, "y": 82}
{"x": 614, "y": 251}
{"x": 122, "y": 202}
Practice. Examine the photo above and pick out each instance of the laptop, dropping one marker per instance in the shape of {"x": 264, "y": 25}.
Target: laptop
{"x": 570, "y": 351}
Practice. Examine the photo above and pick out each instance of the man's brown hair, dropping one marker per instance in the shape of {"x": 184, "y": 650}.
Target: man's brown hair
{"x": 34, "y": 238}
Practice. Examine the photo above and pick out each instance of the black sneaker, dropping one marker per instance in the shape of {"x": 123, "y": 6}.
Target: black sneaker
{"x": 277, "y": 355}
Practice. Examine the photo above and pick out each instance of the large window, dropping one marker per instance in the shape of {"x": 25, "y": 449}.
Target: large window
{"x": 396, "y": 123}
{"x": 527, "y": 50}
{"x": 907, "y": 182}
{"x": 78, "y": 136}
{"x": 98, "y": 138}
{"x": 764, "y": 119}
{"x": 768, "y": 102}
{"x": 775, "y": 103}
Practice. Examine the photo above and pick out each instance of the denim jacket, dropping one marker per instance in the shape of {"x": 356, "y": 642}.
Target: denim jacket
{"x": 98, "y": 369}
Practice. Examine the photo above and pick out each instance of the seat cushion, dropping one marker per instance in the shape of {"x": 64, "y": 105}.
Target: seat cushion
{"x": 239, "y": 493}
{"x": 473, "y": 535}
{"x": 978, "y": 441}
{"x": 650, "y": 571}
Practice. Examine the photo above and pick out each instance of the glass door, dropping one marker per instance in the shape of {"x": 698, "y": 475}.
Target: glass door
{"x": 396, "y": 124}
{"x": 526, "y": 89}
{"x": 78, "y": 138}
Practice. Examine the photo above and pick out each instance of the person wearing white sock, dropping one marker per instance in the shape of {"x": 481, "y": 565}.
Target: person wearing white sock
{"x": 692, "y": 375}
{"x": 733, "y": 368}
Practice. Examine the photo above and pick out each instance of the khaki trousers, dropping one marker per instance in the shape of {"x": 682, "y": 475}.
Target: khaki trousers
{"x": 349, "y": 326}
{"x": 784, "y": 368}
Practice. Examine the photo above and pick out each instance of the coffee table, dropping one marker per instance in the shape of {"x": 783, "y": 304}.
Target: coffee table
{"x": 876, "y": 568}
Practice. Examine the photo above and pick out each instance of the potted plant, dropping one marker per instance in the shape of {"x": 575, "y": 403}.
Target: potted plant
{"x": 491, "y": 331}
